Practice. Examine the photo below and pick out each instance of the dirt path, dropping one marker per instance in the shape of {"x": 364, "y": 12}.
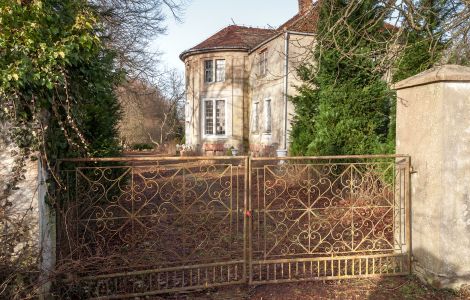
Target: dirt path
{"x": 396, "y": 288}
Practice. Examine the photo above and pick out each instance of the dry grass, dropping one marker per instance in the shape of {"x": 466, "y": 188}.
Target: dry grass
{"x": 392, "y": 288}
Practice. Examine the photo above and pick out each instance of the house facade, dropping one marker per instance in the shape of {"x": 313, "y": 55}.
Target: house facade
{"x": 238, "y": 82}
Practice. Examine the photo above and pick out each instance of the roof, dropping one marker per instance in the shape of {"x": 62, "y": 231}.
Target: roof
{"x": 233, "y": 37}
{"x": 242, "y": 38}
{"x": 453, "y": 73}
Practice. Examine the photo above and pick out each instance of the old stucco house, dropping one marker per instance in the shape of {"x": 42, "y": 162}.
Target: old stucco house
{"x": 238, "y": 82}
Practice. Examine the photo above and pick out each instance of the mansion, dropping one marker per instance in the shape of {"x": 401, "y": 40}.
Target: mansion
{"x": 238, "y": 84}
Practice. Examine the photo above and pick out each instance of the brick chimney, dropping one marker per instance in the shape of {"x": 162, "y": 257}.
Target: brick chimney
{"x": 304, "y": 6}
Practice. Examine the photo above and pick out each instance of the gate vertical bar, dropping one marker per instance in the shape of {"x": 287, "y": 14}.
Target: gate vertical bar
{"x": 248, "y": 218}
{"x": 245, "y": 219}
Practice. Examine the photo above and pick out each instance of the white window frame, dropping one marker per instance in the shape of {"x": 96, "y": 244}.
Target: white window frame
{"x": 213, "y": 70}
{"x": 214, "y": 110}
{"x": 268, "y": 116}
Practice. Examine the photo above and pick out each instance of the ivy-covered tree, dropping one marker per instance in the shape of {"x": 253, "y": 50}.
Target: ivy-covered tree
{"x": 57, "y": 79}
{"x": 344, "y": 105}
{"x": 57, "y": 82}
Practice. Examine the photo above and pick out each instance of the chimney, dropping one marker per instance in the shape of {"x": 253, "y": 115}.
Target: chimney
{"x": 304, "y": 6}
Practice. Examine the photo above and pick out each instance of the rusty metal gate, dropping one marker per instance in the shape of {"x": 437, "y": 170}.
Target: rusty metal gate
{"x": 133, "y": 227}
{"x": 141, "y": 226}
{"x": 328, "y": 218}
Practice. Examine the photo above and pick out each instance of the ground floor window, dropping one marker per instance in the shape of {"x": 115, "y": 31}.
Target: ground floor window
{"x": 214, "y": 117}
{"x": 267, "y": 116}
{"x": 255, "y": 125}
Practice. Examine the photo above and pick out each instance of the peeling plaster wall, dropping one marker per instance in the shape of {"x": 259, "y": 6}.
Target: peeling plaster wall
{"x": 24, "y": 199}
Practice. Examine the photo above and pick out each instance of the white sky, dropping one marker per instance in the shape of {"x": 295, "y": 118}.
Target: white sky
{"x": 205, "y": 17}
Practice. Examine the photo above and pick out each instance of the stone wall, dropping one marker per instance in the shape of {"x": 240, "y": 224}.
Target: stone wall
{"x": 433, "y": 127}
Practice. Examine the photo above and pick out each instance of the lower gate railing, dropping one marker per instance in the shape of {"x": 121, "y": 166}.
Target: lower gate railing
{"x": 133, "y": 227}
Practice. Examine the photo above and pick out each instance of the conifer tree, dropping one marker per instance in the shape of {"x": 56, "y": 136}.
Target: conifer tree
{"x": 344, "y": 105}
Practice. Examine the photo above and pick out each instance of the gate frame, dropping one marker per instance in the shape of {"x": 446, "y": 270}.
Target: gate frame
{"x": 406, "y": 247}
{"x": 247, "y": 234}
{"x": 244, "y": 169}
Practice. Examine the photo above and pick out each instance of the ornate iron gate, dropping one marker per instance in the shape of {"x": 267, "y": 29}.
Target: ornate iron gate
{"x": 132, "y": 227}
{"x": 142, "y": 226}
{"x": 328, "y": 218}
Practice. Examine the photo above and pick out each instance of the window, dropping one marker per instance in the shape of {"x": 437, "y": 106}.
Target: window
{"x": 255, "y": 127}
{"x": 220, "y": 117}
{"x": 214, "y": 117}
{"x": 220, "y": 70}
{"x": 209, "y": 117}
{"x": 263, "y": 62}
{"x": 208, "y": 70}
{"x": 214, "y": 71}
{"x": 267, "y": 116}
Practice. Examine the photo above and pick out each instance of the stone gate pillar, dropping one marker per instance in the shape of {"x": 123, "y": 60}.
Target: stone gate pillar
{"x": 433, "y": 127}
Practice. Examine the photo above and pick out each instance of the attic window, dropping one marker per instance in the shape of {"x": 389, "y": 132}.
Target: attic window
{"x": 263, "y": 62}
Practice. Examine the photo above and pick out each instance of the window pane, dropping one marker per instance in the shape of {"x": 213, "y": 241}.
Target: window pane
{"x": 220, "y": 70}
{"x": 220, "y": 117}
{"x": 208, "y": 71}
{"x": 209, "y": 117}
{"x": 267, "y": 116}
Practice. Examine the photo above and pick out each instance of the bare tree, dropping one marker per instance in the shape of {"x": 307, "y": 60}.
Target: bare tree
{"x": 449, "y": 26}
{"x": 173, "y": 90}
{"x": 130, "y": 26}
{"x": 152, "y": 114}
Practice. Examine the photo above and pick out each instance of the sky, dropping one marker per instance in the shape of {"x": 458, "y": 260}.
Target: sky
{"x": 203, "y": 18}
